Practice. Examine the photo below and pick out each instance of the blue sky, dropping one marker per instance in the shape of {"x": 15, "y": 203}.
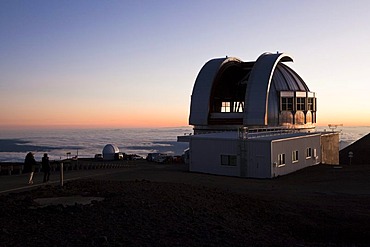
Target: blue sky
{"x": 134, "y": 63}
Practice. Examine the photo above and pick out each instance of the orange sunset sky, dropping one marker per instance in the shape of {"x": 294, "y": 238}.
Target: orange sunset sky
{"x": 133, "y": 64}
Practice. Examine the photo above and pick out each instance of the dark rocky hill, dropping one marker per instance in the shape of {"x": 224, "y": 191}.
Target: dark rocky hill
{"x": 361, "y": 152}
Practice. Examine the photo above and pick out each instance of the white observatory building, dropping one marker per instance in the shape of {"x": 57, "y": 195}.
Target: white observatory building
{"x": 110, "y": 152}
{"x": 255, "y": 119}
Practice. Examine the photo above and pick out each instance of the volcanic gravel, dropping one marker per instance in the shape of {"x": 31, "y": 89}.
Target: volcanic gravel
{"x": 144, "y": 213}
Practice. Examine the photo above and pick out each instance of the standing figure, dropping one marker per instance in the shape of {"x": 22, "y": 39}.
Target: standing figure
{"x": 46, "y": 167}
{"x": 29, "y": 166}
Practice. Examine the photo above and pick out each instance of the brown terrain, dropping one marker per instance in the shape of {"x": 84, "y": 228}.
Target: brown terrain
{"x": 164, "y": 205}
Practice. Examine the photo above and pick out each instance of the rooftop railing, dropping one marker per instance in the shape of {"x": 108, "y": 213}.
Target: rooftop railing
{"x": 248, "y": 133}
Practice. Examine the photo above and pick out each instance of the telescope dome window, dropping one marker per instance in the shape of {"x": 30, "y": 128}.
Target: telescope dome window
{"x": 299, "y": 117}
{"x": 308, "y": 117}
{"x": 238, "y": 107}
{"x": 287, "y": 104}
{"x": 286, "y": 117}
{"x": 233, "y": 106}
{"x": 301, "y": 103}
{"x": 225, "y": 107}
{"x": 310, "y": 104}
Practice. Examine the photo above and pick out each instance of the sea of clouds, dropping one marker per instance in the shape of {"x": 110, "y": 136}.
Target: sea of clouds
{"x": 14, "y": 144}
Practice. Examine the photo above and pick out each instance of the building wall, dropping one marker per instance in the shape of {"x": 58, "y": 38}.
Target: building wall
{"x": 257, "y": 163}
{"x": 205, "y": 156}
{"x": 330, "y": 148}
{"x": 255, "y": 158}
{"x": 288, "y": 146}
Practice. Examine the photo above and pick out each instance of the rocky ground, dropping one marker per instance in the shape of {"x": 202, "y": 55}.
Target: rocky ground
{"x": 145, "y": 213}
{"x": 360, "y": 152}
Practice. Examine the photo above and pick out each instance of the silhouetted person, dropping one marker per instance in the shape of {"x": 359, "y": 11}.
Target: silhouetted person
{"x": 29, "y": 166}
{"x": 46, "y": 167}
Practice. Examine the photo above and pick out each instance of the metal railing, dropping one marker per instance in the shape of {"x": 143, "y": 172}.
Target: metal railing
{"x": 248, "y": 133}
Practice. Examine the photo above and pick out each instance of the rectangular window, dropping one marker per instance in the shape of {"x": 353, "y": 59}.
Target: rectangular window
{"x": 238, "y": 106}
{"x": 286, "y": 104}
{"x": 301, "y": 104}
{"x": 308, "y": 153}
{"x": 225, "y": 107}
{"x": 310, "y": 104}
{"x": 281, "y": 160}
{"x": 228, "y": 160}
{"x": 295, "y": 156}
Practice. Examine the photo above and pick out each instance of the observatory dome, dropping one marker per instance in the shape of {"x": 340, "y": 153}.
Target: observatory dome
{"x": 229, "y": 93}
{"x": 110, "y": 151}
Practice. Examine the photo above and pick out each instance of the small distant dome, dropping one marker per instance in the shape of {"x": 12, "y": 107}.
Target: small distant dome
{"x": 110, "y": 151}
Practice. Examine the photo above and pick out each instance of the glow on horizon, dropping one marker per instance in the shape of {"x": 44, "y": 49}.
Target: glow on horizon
{"x": 96, "y": 117}
{"x": 133, "y": 64}
{"x": 93, "y": 125}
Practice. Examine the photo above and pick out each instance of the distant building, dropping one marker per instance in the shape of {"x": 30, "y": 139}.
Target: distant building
{"x": 255, "y": 119}
{"x": 111, "y": 152}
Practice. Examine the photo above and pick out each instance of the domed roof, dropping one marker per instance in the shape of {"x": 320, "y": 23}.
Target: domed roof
{"x": 286, "y": 79}
{"x": 110, "y": 149}
{"x": 229, "y": 92}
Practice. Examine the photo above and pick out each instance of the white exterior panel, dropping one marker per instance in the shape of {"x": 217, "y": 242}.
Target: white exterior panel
{"x": 205, "y": 156}
{"x": 256, "y": 97}
{"x": 288, "y": 146}
{"x": 259, "y": 159}
{"x": 199, "y": 106}
{"x": 256, "y": 157}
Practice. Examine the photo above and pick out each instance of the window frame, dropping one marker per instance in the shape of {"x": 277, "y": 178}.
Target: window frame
{"x": 225, "y": 106}
{"x": 308, "y": 153}
{"x": 238, "y": 106}
{"x": 310, "y": 104}
{"x": 295, "y": 156}
{"x": 301, "y": 104}
{"x": 287, "y": 103}
{"x": 281, "y": 161}
{"x": 231, "y": 160}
